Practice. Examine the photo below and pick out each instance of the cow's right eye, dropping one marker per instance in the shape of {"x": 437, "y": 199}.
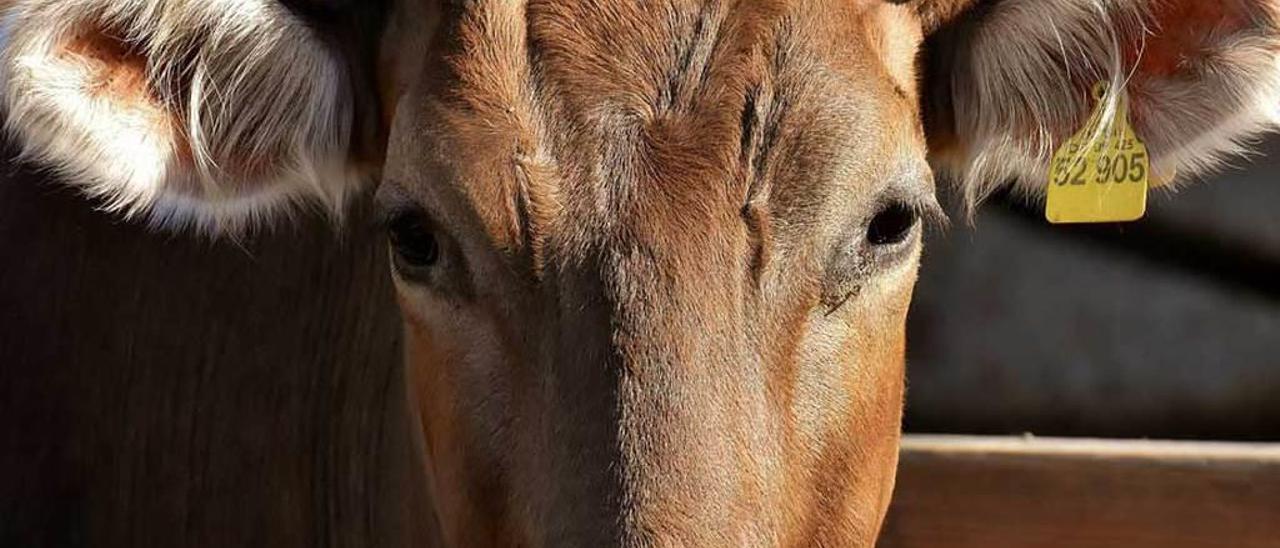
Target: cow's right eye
{"x": 414, "y": 242}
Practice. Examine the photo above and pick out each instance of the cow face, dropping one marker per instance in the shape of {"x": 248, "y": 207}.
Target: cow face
{"x": 654, "y": 261}
{"x": 655, "y": 267}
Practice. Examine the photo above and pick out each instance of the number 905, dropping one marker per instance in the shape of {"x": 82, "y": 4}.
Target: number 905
{"x": 1121, "y": 168}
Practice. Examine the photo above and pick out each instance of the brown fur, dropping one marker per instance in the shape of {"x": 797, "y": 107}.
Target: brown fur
{"x": 167, "y": 391}
{"x": 655, "y": 319}
{"x": 641, "y": 201}
{"x": 594, "y": 177}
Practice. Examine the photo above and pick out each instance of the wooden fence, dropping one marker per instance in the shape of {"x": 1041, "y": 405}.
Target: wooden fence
{"x": 992, "y": 492}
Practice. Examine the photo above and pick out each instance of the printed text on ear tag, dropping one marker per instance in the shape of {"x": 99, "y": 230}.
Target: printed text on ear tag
{"x": 1101, "y": 173}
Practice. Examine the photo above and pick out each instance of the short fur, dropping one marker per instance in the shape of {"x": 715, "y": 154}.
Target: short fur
{"x": 242, "y": 111}
{"x": 657, "y": 314}
{"x": 166, "y": 391}
{"x": 638, "y": 334}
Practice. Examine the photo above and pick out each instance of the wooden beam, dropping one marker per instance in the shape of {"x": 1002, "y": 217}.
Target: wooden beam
{"x": 960, "y": 492}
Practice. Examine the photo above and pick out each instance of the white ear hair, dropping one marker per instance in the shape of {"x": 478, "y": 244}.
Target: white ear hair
{"x": 238, "y": 111}
{"x": 1014, "y": 89}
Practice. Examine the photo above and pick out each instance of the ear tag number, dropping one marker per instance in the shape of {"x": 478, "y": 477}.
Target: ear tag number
{"x": 1101, "y": 174}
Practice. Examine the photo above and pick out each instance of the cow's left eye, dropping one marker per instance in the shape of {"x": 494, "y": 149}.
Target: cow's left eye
{"x": 414, "y": 242}
{"x": 876, "y": 245}
{"x": 892, "y": 225}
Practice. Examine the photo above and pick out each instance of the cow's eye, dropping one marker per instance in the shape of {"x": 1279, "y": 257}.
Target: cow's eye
{"x": 882, "y": 242}
{"x": 414, "y": 242}
{"x": 892, "y": 224}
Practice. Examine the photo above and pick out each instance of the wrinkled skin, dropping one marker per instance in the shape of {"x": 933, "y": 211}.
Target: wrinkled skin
{"x": 653, "y": 258}
{"x": 657, "y": 317}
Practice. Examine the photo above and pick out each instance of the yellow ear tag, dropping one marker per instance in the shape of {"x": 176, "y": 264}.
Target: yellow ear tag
{"x": 1101, "y": 173}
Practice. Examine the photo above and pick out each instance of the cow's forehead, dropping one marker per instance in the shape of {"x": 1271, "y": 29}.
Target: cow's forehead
{"x": 598, "y": 108}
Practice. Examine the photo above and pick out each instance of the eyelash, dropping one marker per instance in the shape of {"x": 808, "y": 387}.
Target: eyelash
{"x": 881, "y": 240}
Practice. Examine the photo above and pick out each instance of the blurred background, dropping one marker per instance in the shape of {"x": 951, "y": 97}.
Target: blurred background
{"x": 1164, "y": 328}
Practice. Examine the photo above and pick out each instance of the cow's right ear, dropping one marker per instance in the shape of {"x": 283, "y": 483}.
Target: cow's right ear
{"x": 208, "y": 113}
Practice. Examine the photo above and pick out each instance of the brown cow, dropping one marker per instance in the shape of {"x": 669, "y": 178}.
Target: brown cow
{"x": 653, "y": 259}
{"x": 153, "y": 392}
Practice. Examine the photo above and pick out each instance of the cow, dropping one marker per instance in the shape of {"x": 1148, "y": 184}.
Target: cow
{"x": 653, "y": 260}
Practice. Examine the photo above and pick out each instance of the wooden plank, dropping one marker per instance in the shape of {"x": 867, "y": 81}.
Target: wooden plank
{"x": 956, "y": 491}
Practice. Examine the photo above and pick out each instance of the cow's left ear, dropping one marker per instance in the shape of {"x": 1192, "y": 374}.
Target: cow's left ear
{"x": 212, "y": 113}
{"x": 1007, "y": 81}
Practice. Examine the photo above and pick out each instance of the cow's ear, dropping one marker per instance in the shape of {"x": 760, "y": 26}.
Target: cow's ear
{"x": 1007, "y": 81}
{"x": 208, "y": 113}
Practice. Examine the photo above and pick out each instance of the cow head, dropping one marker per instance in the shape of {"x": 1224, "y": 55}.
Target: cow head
{"x": 654, "y": 259}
